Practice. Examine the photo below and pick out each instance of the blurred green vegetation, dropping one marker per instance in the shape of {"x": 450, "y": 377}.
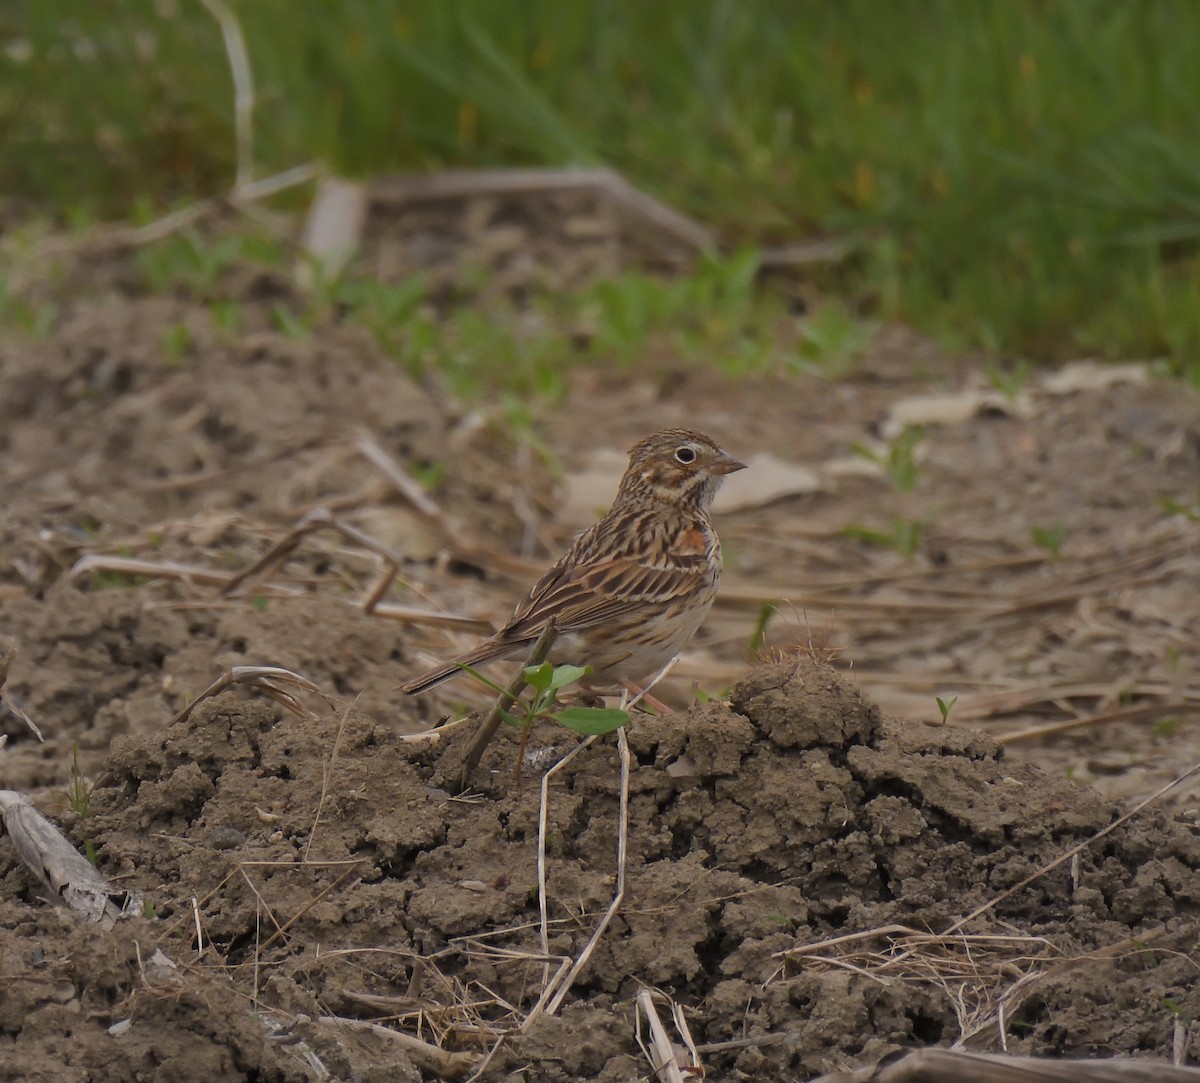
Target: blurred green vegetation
{"x": 1023, "y": 175}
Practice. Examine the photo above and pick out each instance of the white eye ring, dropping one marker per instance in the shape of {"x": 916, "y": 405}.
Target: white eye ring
{"x": 685, "y": 455}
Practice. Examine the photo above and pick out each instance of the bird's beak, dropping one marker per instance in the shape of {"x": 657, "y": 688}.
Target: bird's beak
{"x": 726, "y": 464}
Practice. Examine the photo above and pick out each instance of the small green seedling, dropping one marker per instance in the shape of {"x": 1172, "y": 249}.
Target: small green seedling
{"x": 945, "y": 707}
{"x": 99, "y": 580}
{"x": 1175, "y": 507}
{"x": 904, "y": 537}
{"x": 833, "y": 340}
{"x": 759, "y": 636}
{"x": 547, "y": 681}
{"x": 899, "y": 461}
{"x": 1176, "y": 1009}
{"x": 79, "y": 798}
{"x": 227, "y": 315}
{"x": 1167, "y": 725}
{"x": 1050, "y": 538}
{"x": 176, "y": 341}
{"x": 293, "y": 325}
{"x": 1010, "y": 379}
{"x": 79, "y": 790}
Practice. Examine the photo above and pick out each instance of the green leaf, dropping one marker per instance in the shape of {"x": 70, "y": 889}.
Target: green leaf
{"x": 511, "y": 720}
{"x": 1050, "y": 538}
{"x": 564, "y": 675}
{"x": 540, "y": 676}
{"x": 592, "y": 721}
{"x": 946, "y": 706}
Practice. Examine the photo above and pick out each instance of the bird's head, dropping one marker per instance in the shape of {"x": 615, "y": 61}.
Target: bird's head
{"x": 677, "y": 466}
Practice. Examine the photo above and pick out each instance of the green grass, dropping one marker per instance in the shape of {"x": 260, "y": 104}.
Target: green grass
{"x": 1021, "y": 175}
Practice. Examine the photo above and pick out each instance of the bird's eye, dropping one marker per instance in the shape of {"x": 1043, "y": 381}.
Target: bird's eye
{"x": 685, "y": 454}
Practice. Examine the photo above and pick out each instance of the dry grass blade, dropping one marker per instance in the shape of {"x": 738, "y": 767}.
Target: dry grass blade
{"x": 281, "y": 930}
{"x": 548, "y": 984}
{"x": 407, "y": 614}
{"x": 322, "y": 519}
{"x": 1126, "y": 714}
{"x": 405, "y": 485}
{"x": 327, "y": 769}
{"x": 468, "y": 184}
{"x": 317, "y": 519}
{"x": 429, "y": 1058}
{"x": 1191, "y": 772}
{"x": 619, "y": 895}
{"x": 975, "y": 971}
{"x": 467, "y": 550}
{"x": 264, "y": 679}
{"x": 660, "y": 1052}
{"x": 6, "y": 704}
{"x": 69, "y": 875}
{"x": 243, "y": 88}
{"x": 946, "y": 1066}
{"x": 194, "y": 573}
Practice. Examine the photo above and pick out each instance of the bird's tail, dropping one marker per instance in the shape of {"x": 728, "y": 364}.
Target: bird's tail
{"x": 487, "y": 651}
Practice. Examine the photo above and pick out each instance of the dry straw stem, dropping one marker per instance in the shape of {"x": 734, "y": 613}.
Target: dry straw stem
{"x": 973, "y": 969}
{"x": 503, "y": 704}
{"x": 543, "y": 901}
{"x": 663, "y": 1054}
{"x": 947, "y": 1066}
{"x": 7, "y": 704}
{"x": 243, "y": 88}
{"x": 660, "y": 1052}
{"x": 322, "y": 519}
{"x": 451, "y": 534}
{"x": 326, "y": 773}
{"x": 976, "y": 972}
{"x": 1050, "y": 865}
{"x": 1182, "y": 709}
{"x": 69, "y": 875}
{"x": 564, "y": 986}
{"x": 232, "y": 582}
{"x": 151, "y": 569}
{"x": 266, "y": 679}
{"x": 453, "y": 185}
{"x": 429, "y": 1058}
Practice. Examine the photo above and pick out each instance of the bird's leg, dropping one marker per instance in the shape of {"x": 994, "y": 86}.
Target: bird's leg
{"x": 640, "y": 694}
{"x": 584, "y": 695}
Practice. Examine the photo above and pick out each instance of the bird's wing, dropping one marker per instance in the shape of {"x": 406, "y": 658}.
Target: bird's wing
{"x": 580, "y": 596}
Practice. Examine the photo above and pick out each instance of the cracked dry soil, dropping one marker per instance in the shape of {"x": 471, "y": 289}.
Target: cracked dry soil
{"x": 791, "y": 814}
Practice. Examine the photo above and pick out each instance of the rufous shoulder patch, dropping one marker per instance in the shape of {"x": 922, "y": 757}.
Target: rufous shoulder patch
{"x": 691, "y": 543}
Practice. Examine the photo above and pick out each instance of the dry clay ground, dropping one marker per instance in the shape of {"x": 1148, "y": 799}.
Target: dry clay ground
{"x": 307, "y": 872}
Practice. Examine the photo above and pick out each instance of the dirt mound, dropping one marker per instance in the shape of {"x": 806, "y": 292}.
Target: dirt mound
{"x": 307, "y": 868}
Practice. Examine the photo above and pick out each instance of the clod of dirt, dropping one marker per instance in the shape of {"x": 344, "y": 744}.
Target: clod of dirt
{"x": 334, "y": 874}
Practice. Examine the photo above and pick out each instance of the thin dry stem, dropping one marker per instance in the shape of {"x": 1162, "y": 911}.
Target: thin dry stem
{"x": 243, "y": 88}
{"x": 504, "y": 703}
{"x": 619, "y": 896}
{"x": 1191, "y": 772}
{"x": 660, "y": 1052}
{"x": 263, "y": 678}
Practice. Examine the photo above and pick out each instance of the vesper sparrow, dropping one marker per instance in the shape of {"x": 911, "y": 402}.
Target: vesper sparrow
{"x": 632, "y": 590}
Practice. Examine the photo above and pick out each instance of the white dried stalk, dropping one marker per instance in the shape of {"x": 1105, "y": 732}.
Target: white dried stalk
{"x": 69, "y": 875}
{"x": 660, "y": 1052}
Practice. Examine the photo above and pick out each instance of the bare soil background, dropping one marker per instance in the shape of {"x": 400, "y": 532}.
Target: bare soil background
{"x": 302, "y": 868}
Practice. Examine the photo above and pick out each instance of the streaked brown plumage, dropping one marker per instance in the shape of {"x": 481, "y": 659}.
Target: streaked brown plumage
{"x": 632, "y": 590}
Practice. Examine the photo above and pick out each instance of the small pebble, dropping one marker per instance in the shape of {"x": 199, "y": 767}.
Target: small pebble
{"x": 226, "y": 838}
